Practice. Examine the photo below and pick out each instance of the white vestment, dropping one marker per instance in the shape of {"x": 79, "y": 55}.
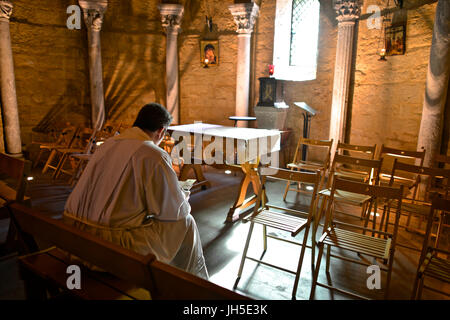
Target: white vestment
{"x": 129, "y": 194}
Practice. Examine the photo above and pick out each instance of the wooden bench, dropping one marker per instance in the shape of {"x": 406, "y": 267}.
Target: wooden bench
{"x": 13, "y": 183}
{"x": 128, "y": 275}
{"x": 13, "y": 170}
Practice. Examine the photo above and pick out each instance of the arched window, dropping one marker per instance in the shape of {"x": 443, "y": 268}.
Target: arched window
{"x": 296, "y": 39}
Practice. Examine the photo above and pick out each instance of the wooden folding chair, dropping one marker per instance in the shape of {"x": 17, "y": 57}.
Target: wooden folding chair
{"x": 440, "y": 161}
{"x": 432, "y": 264}
{"x": 14, "y": 173}
{"x": 389, "y": 155}
{"x": 81, "y": 159}
{"x": 64, "y": 140}
{"x": 307, "y": 165}
{"x": 281, "y": 218}
{"x": 412, "y": 205}
{"x": 77, "y": 158}
{"x": 343, "y": 235}
{"x": 81, "y": 143}
{"x": 369, "y": 174}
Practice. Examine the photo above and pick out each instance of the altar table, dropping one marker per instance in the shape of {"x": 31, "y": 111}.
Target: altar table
{"x": 241, "y": 148}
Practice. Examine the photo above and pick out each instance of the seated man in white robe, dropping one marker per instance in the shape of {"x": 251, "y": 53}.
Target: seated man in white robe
{"x": 129, "y": 194}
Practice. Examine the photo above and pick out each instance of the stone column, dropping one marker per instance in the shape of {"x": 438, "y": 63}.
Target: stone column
{"x": 431, "y": 125}
{"x": 93, "y": 11}
{"x": 171, "y": 15}
{"x": 10, "y": 110}
{"x": 244, "y": 15}
{"x": 347, "y": 13}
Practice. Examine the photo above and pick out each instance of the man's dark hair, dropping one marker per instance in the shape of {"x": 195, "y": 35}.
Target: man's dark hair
{"x": 209, "y": 46}
{"x": 152, "y": 117}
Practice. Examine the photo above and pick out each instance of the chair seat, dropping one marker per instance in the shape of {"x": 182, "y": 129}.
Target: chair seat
{"x": 306, "y": 165}
{"x": 357, "y": 242}
{"x": 437, "y": 268}
{"x": 340, "y": 195}
{"x": 385, "y": 177}
{"x": 279, "y": 220}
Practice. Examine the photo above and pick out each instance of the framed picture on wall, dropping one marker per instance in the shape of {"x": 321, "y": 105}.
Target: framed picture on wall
{"x": 395, "y": 40}
{"x": 209, "y": 53}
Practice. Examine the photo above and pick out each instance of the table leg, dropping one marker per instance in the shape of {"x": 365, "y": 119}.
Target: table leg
{"x": 241, "y": 203}
{"x": 198, "y": 172}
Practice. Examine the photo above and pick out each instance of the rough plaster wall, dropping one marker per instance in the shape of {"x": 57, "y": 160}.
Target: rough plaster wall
{"x": 388, "y": 96}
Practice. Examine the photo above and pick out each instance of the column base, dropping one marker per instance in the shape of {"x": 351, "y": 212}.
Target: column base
{"x": 15, "y": 155}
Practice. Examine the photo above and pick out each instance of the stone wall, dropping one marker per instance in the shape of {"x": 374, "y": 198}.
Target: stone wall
{"x": 52, "y": 75}
{"x": 50, "y": 67}
{"x": 388, "y": 95}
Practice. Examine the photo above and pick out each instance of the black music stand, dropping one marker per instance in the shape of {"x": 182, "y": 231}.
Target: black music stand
{"x": 307, "y": 115}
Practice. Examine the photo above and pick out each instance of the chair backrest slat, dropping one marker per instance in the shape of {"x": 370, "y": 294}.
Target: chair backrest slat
{"x": 400, "y": 166}
{"x": 372, "y": 167}
{"x": 420, "y": 171}
{"x": 402, "y": 153}
{"x": 306, "y": 142}
{"x": 369, "y": 190}
{"x": 368, "y": 163}
{"x": 299, "y": 176}
{"x": 357, "y": 148}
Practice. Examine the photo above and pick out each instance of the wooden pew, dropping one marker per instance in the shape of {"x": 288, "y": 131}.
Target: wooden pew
{"x": 128, "y": 275}
{"x": 16, "y": 170}
{"x": 13, "y": 183}
{"x": 175, "y": 284}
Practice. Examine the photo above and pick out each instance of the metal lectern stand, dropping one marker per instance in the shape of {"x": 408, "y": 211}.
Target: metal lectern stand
{"x": 307, "y": 115}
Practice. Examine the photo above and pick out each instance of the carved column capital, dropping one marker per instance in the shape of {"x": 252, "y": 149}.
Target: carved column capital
{"x": 171, "y": 15}
{"x": 244, "y": 15}
{"x": 93, "y": 11}
{"x": 347, "y": 10}
{"x": 6, "y": 8}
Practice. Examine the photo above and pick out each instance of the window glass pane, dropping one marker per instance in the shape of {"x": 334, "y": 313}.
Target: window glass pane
{"x": 304, "y": 33}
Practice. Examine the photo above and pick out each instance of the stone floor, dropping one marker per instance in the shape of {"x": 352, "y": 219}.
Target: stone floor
{"x": 223, "y": 245}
